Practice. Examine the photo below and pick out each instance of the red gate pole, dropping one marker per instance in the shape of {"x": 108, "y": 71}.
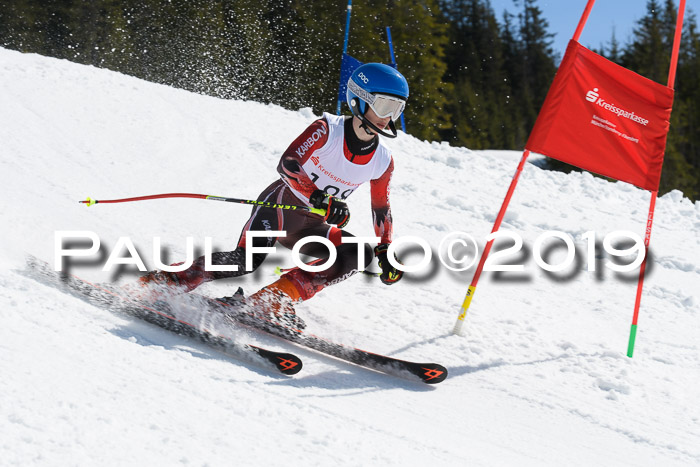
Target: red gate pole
{"x": 472, "y": 287}
{"x": 642, "y": 270}
{"x": 582, "y": 21}
{"x": 496, "y": 225}
{"x": 652, "y": 204}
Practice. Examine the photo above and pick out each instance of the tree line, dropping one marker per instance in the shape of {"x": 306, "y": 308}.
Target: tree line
{"x": 476, "y": 79}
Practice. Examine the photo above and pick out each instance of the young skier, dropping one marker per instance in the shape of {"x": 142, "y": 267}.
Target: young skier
{"x": 321, "y": 168}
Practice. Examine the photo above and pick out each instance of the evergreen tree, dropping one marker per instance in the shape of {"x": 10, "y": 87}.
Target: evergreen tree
{"x": 538, "y": 68}
{"x": 649, "y": 54}
{"x": 513, "y": 61}
{"x": 613, "y": 53}
{"x": 475, "y": 66}
{"x": 319, "y": 53}
{"x": 687, "y": 107}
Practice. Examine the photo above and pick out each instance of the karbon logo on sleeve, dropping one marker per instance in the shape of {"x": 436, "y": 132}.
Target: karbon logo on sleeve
{"x": 594, "y": 97}
{"x": 315, "y": 136}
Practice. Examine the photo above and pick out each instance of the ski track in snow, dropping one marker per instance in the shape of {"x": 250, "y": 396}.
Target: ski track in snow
{"x": 541, "y": 377}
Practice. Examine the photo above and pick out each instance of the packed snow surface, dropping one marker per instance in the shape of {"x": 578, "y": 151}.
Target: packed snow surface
{"x": 540, "y": 377}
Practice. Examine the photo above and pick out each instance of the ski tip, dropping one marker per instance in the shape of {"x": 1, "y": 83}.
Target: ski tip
{"x": 89, "y": 201}
{"x": 287, "y": 363}
{"x": 432, "y": 373}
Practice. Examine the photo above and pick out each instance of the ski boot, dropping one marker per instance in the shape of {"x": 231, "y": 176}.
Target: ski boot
{"x": 275, "y": 303}
{"x": 157, "y": 284}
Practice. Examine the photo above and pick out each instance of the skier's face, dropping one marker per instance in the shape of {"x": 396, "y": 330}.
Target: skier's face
{"x": 380, "y": 123}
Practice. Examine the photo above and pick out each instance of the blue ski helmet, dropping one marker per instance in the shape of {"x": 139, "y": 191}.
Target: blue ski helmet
{"x": 371, "y": 82}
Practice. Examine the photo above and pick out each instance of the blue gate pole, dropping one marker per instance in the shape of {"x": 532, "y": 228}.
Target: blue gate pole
{"x": 393, "y": 62}
{"x": 345, "y": 47}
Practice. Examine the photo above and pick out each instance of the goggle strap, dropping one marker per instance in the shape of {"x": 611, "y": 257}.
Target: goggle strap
{"x": 361, "y": 93}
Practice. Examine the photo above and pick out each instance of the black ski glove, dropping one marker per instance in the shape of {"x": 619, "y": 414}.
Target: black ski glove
{"x": 337, "y": 211}
{"x": 390, "y": 275}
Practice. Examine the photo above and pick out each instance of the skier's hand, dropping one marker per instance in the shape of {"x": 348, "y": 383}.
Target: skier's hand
{"x": 390, "y": 275}
{"x": 337, "y": 211}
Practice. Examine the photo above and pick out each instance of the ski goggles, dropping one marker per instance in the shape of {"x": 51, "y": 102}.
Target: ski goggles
{"x": 383, "y": 105}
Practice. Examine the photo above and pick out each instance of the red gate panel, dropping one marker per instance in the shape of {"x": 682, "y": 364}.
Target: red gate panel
{"x": 604, "y": 118}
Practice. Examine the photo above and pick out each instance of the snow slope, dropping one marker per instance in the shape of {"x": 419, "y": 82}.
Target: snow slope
{"x": 540, "y": 378}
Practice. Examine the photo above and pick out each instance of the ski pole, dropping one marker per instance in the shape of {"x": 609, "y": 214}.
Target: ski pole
{"x": 264, "y": 204}
{"x": 280, "y": 270}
